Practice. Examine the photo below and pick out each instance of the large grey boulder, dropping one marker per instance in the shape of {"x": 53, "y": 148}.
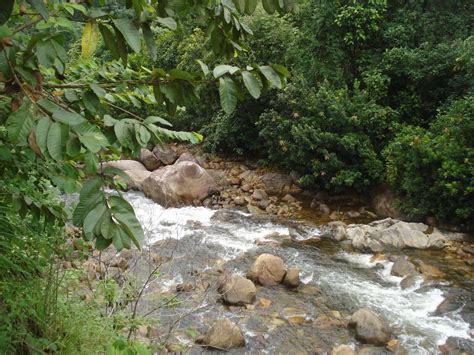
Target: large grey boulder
{"x": 370, "y": 327}
{"x": 392, "y": 234}
{"x": 149, "y": 160}
{"x": 402, "y": 267}
{"x": 223, "y": 335}
{"x": 179, "y": 184}
{"x": 165, "y": 154}
{"x": 134, "y": 169}
{"x": 125, "y": 165}
{"x": 237, "y": 290}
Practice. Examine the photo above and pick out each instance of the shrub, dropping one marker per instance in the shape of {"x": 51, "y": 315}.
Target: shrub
{"x": 433, "y": 169}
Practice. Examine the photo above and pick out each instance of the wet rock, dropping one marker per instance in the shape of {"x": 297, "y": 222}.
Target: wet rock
{"x": 166, "y": 155}
{"x": 237, "y": 290}
{"x": 149, "y": 160}
{"x": 402, "y": 268}
{"x": 372, "y": 350}
{"x": 408, "y": 282}
{"x": 179, "y": 184}
{"x": 457, "y": 346}
{"x": 223, "y": 335}
{"x": 276, "y": 181}
{"x": 390, "y": 234}
{"x": 267, "y": 270}
{"x": 259, "y": 195}
{"x": 370, "y": 328}
{"x": 342, "y": 350}
{"x": 468, "y": 249}
{"x": 125, "y": 165}
{"x": 292, "y": 277}
{"x": 429, "y": 272}
{"x": 187, "y": 157}
{"x": 263, "y": 204}
{"x": 337, "y": 230}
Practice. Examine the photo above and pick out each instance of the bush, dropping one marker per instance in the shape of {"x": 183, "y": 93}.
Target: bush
{"x": 328, "y": 136}
{"x": 433, "y": 169}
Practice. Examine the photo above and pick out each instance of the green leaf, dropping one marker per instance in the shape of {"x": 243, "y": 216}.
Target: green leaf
{"x": 272, "y": 77}
{"x": 124, "y": 214}
{"x": 281, "y": 70}
{"x": 253, "y": 85}
{"x": 168, "y": 22}
{"x": 204, "y": 67}
{"x": 39, "y": 6}
{"x": 91, "y": 141}
{"x": 60, "y": 115}
{"x": 115, "y": 172}
{"x": 223, "y": 69}
{"x": 73, "y": 147}
{"x": 124, "y": 133}
{"x": 130, "y": 33}
{"x": 110, "y": 41}
{"x": 55, "y": 141}
{"x": 240, "y": 5}
{"x": 100, "y": 92}
{"x": 250, "y": 6}
{"x": 109, "y": 121}
{"x": 156, "y": 119}
{"x": 92, "y": 219}
{"x": 269, "y": 6}
{"x": 157, "y": 93}
{"x": 20, "y": 123}
{"x": 181, "y": 74}
{"x": 89, "y": 197}
{"x": 142, "y": 135}
{"x": 41, "y": 134}
{"x": 149, "y": 40}
{"x": 91, "y": 162}
{"x": 228, "y": 94}
{"x": 6, "y": 8}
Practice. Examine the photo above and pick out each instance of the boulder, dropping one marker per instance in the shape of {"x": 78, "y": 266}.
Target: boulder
{"x": 372, "y": 350}
{"x": 392, "y": 234}
{"x": 402, "y": 268}
{"x": 267, "y": 270}
{"x": 125, "y": 165}
{"x": 136, "y": 178}
{"x": 219, "y": 177}
{"x": 342, "y": 350}
{"x": 276, "y": 181}
{"x": 383, "y": 203}
{"x": 165, "y": 154}
{"x": 408, "y": 282}
{"x": 429, "y": 272}
{"x": 259, "y": 195}
{"x": 370, "y": 328}
{"x": 149, "y": 160}
{"x": 292, "y": 277}
{"x": 187, "y": 157}
{"x": 457, "y": 346}
{"x": 237, "y": 290}
{"x": 337, "y": 230}
{"x": 223, "y": 335}
{"x": 179, "y": 184}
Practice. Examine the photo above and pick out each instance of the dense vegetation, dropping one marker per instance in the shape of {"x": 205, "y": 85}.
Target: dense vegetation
{"x": 380, "y": 92}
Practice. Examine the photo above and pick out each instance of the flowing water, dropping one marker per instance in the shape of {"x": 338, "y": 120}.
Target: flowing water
{"x": 201, "y": 240}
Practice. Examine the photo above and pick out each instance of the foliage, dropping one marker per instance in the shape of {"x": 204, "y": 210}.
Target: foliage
{"x": 432, "y": 169}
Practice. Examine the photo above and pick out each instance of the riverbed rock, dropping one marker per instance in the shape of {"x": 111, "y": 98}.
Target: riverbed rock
{"x": 125, "y": 165}
{"x": 370, "y": 327}
{"x": 342, "y": 350}
{"x": 429, "y": 272}
{"x": 392, "y": 234}
{"x": 179, "y": 184}
{"x": 237, "y": 290}
{"x": 408, "y": 282}
{"x": 136, "y": 178}
{"x": 383, "y": 203}
{"x": 457, "y": 346}
{"x": 223, "y": 335}
{"x": 165, "y": 154}
{"x": 186, "y": 156}
{"x": 149, "y": 160}
{"x": 276, "y": 181}
{"x": 402, "y": 268}
{"x": 259, "y": 195}
{"x": 372, "y": 350}
{"x": 267, "y": 270}
{"x": 336, "y": 230}
{"x": 292, "y": 277}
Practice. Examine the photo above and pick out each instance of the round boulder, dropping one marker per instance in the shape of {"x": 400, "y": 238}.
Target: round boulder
{"x": 402, "y": 268}
{"x": 292, "y": 277}
{"x": 223, "y": 335}
{"x": 343, "y": 350}
{"x": 149, "y": 159}
{"x": 267, "y": 270}
{"x": 370, "y": 327}
{"x": 237, "y": 290}
{"x": 179, "y": 184}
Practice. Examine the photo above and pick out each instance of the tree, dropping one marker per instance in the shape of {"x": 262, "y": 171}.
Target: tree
{"x": 62, "y": 127}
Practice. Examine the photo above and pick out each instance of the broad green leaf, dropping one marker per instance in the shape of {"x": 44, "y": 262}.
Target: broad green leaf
{"x": 124, "y": 214}
{"x": 100, "y": 92}
{"x": 20, "y": 123}
{"x": 180, "y": 74}
{"x": 269, "y": 6}
{"x": 204, "y": 67}
{"x": 39, "y": 6}
{"x": 6, "y": 8}
{"x": 250, "y": 6}
{"x": 253, "y": 85}
{"x": 73, "y": 147}
{"x": 272, "y": 77}
{"x": 130, "y": 33}
{"x": 91, "y": 142}
{"x": 124, "y": 133}
{"x": 115, "y": 172}
{"x": 281, "y": 70}
{"x": 55, "y": 141}
{"x": 149, "y": 40}
{"x": 91, "y": 221}
{"x": 60, "y": 115}
{"x": 142, "y": 135}
{"x": 223, "y": 69}
{"x": 91, "y": 162}
{"x": 89, "y": 196}
{"x": 102, "y": 243}
{"x": 240, "y": 5}
{"x": 41, "y": 134}
{"x": 168, "y": 22}
{"x": 228, "y": 94}
{"x": 156, "y": 119}
{"x": 109, "y": 121}
{"x": 110, "y": 41}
